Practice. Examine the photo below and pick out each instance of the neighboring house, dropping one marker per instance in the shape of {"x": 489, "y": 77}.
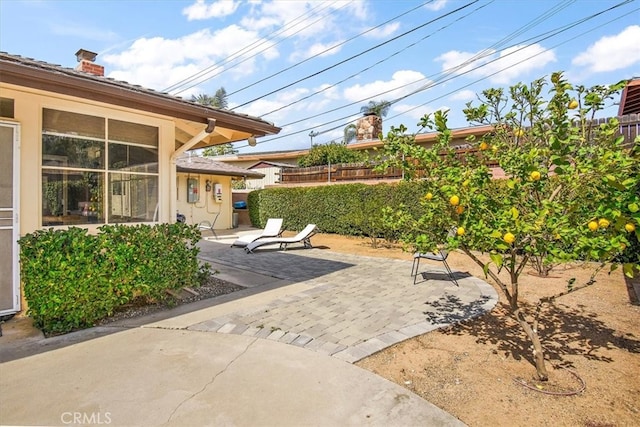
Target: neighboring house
{"x": 630, "y": 99}
{"x": 271, "y": 171}
{"x": 290, "y": 158}
{"x": 246, "y": 160}
{"x": 80, "y": 149}
{"x": 204, "y": 189}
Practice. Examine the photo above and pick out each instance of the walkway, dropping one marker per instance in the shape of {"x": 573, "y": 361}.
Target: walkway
{"x": 257, "y": 357}
{"x": 346, "y": 306}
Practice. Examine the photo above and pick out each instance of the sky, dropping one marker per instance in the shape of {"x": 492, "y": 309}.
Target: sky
{"x": 310, "y": 66}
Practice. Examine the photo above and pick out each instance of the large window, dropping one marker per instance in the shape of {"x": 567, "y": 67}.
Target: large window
{"x": 97, "y": 170}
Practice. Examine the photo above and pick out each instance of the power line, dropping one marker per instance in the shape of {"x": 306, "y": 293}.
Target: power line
{"x": 356, "y": 55}
{"x": 449, "y": 71}
{"x": 554, "y": 10}
{"x": 539, "y": 38}
{"x": 375, "y": 64}
{"x": 237, "y": 54}
{"x": 329, "y": 49}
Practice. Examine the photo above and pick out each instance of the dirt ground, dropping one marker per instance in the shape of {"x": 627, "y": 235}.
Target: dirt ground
{"x": 482, "y": 372}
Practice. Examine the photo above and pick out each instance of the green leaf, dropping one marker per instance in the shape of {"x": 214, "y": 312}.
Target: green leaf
{"x": 497, "y": 259}
{"x": 628, "y": 269}
{"x": 559, "y": 160}
{"x": 502, "y": 247}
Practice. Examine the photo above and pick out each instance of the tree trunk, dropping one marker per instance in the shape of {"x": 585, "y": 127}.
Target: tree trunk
{"x": 512, "y": 297}
{"x": 532, "y": 334}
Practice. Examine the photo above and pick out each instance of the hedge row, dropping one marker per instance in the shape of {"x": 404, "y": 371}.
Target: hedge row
{"x": 348, "y": 209}
{"x": 73, "y": 279}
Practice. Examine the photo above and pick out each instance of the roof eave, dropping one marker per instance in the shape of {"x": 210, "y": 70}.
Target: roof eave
{"x": 102, "y": 90}
{"x": 220, "y": 172}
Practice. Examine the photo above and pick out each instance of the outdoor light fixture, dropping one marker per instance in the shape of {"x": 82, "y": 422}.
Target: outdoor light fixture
{"x": 251, "y": 141}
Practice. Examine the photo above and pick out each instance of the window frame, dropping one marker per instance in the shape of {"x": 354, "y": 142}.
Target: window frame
{"x": 139, "y": 173}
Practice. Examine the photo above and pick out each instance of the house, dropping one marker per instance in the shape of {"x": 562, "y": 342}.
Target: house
{"x": 81, "y": 149}
{"x": 205, "y": 189}
{"x": 271, "y": 172}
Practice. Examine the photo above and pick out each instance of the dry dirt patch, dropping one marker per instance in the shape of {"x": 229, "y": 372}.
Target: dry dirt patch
{"x": 476, "y": 370}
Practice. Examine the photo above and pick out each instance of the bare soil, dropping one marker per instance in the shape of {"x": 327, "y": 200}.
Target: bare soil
{"x": 482, "y": 371}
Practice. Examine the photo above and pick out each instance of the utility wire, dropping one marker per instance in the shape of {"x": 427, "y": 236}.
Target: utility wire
{"x": 546, "y": 35}
{"x": 329, "y": 49}
{"x": 485, "y": 52}
{"x": 237, "y": 54}
{"x": 492, "y": 74}
{"x": 355, "y": 56}
{"x": 376, "y": 63}
{"x": 538, "y": 38}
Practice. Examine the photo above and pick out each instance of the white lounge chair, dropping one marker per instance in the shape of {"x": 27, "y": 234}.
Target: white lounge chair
{"x": 273, "y": 228}
{"x": 303, "y": 237}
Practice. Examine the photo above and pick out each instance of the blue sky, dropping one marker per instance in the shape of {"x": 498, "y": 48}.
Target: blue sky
{"x": 308, "y": 66}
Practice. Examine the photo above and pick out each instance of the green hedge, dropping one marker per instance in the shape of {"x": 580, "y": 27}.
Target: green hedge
{"x": 73, "y": 279}
{"x": 347, "y": 209}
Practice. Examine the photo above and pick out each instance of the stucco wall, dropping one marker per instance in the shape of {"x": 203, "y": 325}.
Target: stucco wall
{"x": 28, "y": 105}
{"x": 206, "y": 207}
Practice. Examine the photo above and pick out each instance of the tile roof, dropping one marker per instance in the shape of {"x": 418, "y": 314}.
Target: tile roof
{"x": 205, "y": 165}
{"x": 29, "y": 72}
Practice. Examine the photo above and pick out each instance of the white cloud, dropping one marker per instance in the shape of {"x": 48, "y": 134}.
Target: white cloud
{"x": 415, "y": 112}
{"x": 288, "y": 17}
{"x": 328, "y": 91}
{"x": 385, "y": 31}
{"x": 310, "y": 26}
{"x": 357, "y": 8}
{"x": 402, "y": 83}
{"x": 264, "y": 106}
{"x": 158, "y": 62}
{"x": 320, "y": 49}
{"x": 506, "y": 67}
{"x": 612, "y": 53}
{"x": 201, "y": 10}
{"x": 463, "y": 95}
{"x": 436, "y": 4}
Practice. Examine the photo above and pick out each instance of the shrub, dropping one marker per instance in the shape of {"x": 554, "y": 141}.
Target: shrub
{"x": 347, "y": 209}
{"x": 332, "y": 153}
{"x": 73, "y": 279}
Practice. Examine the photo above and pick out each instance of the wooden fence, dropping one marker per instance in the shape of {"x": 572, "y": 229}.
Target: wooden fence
{"x": 629, "y": 128}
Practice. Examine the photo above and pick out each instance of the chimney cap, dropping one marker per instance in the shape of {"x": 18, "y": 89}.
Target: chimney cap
{"x": 86, "y": 54}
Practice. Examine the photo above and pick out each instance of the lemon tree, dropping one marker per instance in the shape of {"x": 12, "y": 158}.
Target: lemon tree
{"x": 565, "y": 189}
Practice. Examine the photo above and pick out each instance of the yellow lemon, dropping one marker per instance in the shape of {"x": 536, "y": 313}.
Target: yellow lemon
{"x": 623, "y": 246}
{"x": 630, "y": 227}
{"x": 573, "y": 104}
{"x": 593, "y": 226}
{"x": 535, "y": 176}
{"x": 460, "y": 231}
{"x": 603, "y": 223}
{"x": 509, "y": 238}
{"x": 518, "y": 132}
{"x": 454, "y": 200}
{"x": 484, "y": 146}
{"x": 428, "y": 196}
{"x": 459, "y": 210}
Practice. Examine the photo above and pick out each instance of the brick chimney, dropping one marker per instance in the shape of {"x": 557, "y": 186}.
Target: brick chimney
{"x": 86, "y": 63}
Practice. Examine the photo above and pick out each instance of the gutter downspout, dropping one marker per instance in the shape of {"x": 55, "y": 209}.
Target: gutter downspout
{"x": 211, "y": 125}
